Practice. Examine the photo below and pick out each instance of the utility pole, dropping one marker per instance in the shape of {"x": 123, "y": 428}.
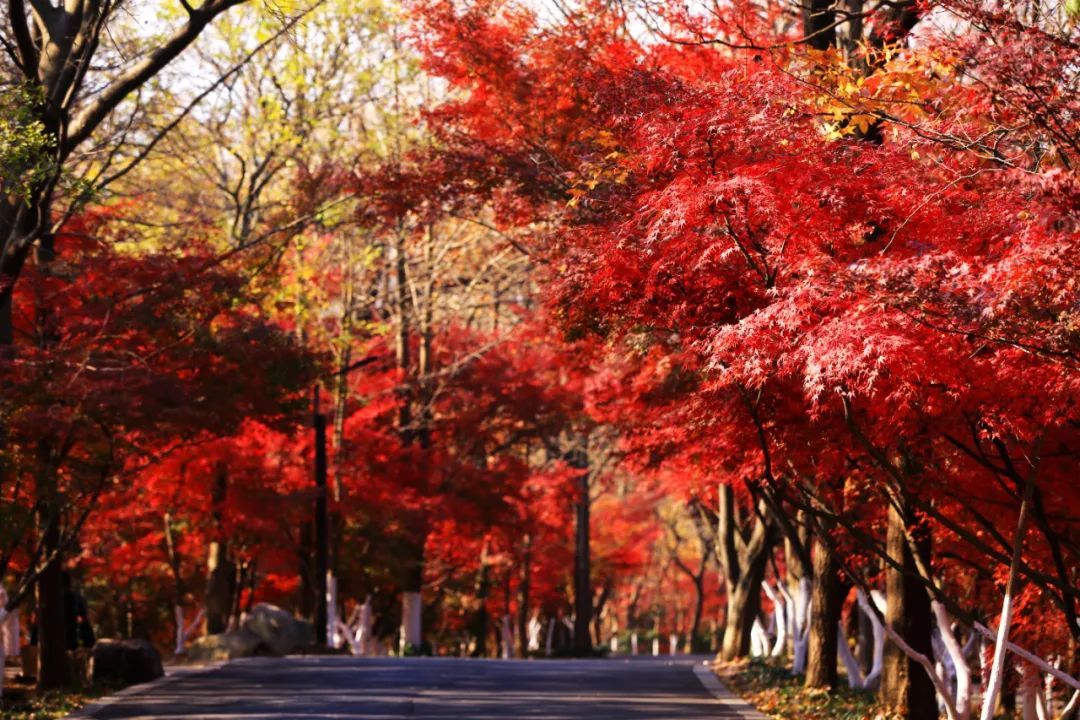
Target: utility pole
{"x": 322, "y": 524}
{"x": 582, "y": 562}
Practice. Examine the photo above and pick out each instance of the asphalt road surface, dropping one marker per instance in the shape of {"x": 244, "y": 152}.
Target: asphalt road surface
{"x": 339, "y": 688}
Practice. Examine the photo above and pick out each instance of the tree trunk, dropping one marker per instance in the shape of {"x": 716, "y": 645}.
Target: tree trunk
{"x": 694, "y": 642}
{"x": 743, "y": 555}
{"x": 54, "y": 670}
{"x": 865, "y": 650}
{"x": 412, "y": 629}
{"x": 178, "y": 582}
{"x": 799, "y": 587}
{"x": 7, "y": 330}
{"x": 905, "y": 685}
{"x": 582, "y": 568}
{"x": 412, "y": 607}
{"x": 322, "y": 525}
{"x": 744, "y": 604}
{"x": 305, "y": 605}
{"x": 598, "y": 614}
{"x": 821, "y": 671}
{"x": 18, "y": 229}
{"x": 481, "y": 589}
{"x": 220, "y": 583}
{"x": 997, "y": 667}
{"x": 523, "y": 599}
{"x": 819, "y": 23}
{"x": 221, "y": 572}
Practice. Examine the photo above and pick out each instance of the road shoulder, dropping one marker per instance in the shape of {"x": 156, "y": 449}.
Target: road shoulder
{"x": 738, "y": 707}
{"x": 172, "y": 674}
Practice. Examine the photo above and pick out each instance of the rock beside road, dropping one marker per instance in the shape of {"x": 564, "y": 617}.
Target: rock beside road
{"x": 277, "y": 629}
{"x": 128, "y": 662}
{"x": 227, "y": 646}
{"x": 266, "y": 630}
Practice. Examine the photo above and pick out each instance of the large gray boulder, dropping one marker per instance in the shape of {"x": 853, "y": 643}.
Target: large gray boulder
{"x": 277, "y": 629}
{"x": 127, "y": 662}
{"x": 227, "y": 646}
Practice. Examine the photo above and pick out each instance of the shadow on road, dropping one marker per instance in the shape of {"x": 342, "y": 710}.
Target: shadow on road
{"x": 345, "y": 687}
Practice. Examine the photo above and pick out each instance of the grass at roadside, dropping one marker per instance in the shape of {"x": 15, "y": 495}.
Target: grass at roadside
{"x": 775, "y": 691}
{"x": 22, "y": 701}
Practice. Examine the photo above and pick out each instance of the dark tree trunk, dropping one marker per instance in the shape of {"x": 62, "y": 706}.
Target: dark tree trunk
{"x": 744, "y": 604}
{"x": 221, "y": 572}
{"x": 582, "y": 569}
{"x": 18, "y": 230}
{"x": 821, "y": 671}
{"x": 7, "y": 331}
{"x": 693, "y": 643}
{"x": 482, "y": 619}
{"x": 53, "y": 666}
{"x": 905, "y": 685}
{"x": 743, "y": 555}
{"x": 322, "y": 528}
{"x": 54, "y": 670}
{"x": 414, "y": 567}
{"x": 598, "y": 614}
{"x": 523, "y": 599}
{"x": 305, "y": 607}
{"x": 819, "y": 23}
{"x": 220, "y": 585}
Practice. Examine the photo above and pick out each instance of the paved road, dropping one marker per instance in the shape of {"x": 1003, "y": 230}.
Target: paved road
{"x": 342, "y": 688}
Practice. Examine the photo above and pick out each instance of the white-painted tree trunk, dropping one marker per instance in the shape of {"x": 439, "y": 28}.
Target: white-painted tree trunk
{"x": 673, "y": 644}
{"x": 535, "y": 628}
{"x": 878, "y": 661}
{"x": 350, "y": 631}
{"x": 656, "y": 647}
{"x": 1043, "y": 704}
{"x": 759, "y": 640}
{"x": 178, "y": 618}
{"x": 364, "y": 626}
{"x": 997, "y": 667}
{"x": 507, "y": 637}
{"x": 634, "y": 643}
{"x": 954, "y": 664}
{"x": 348, "y": 637}
{"x": 928, "y": 665}
{"x": 614, "y": 644}
{"x": 780, "y": 613}
{"x": 854, "y": 672}
{"x": 801, "y": 629}
{"x": 4, "y": 644}
{"x": 333, "y": 615}
{"x": 184, "y": 629}
{"x": 789, "y": 615}
{"x": 411, "y": 631}
{"x": 1032, "y": 658}
{"x": 1048, "y": 692}
{"x": 1072, "y": 705}
{"x": 942, "y": 664}
{"x": 984, "y": 664}
{"x": 10, "y": 630}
